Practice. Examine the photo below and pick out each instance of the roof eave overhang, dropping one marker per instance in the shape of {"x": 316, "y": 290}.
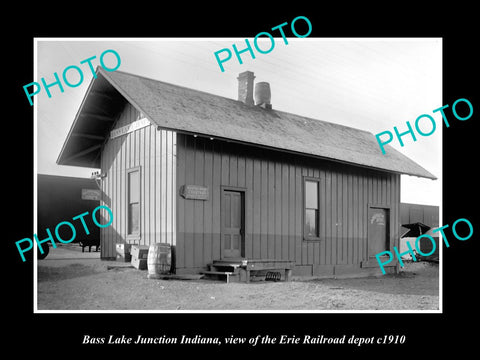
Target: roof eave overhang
{"x": 426, "y": 174}
{"x": 89, "y": 131}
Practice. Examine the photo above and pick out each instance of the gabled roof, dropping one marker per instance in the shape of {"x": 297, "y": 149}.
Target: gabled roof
{"x": 195, "y": 112}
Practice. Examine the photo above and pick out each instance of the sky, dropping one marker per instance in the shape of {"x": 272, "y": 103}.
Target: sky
{"x": 372, "y": 84}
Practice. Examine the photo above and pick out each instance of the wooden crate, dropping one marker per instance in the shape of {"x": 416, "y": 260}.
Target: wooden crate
{"x": 139, "y": 251}
{"x": 139, "y": 264}
{"x": 126, "y": 258}
{"x": 123, "y": 252}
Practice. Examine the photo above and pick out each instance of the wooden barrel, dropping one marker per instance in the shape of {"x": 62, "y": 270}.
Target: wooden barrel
{"x": 159, "y": 259}
{"x": 262, "y": 93}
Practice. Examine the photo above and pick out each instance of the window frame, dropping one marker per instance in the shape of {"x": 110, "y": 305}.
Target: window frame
{"x": 135, "y": 235}
{"x": 304, "y": 209}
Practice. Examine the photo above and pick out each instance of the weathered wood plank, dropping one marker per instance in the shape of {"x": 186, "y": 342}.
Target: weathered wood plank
{"x": 173, "y": 190}
{"x": 249, "y": 201}
{"x": 181, "y": 172}
{"x": 329, "y": 219}
{"x": 189, "y": 207}
{"x": 233, "y": 173}
{"x": 225, "y": 177}
{"x": 256, "y": 205}
{"x": 271, "y": 210}
{"x": 298, "y": 214}
{"x": 284, "y": 212}
{"x": 278, "y": 210}
{"x": 145, "y": 185}
{"x": 315, "y": 246}
{"x": 341, "y": 219}
{"x": 198, "y": 216}
{"x": 323, "y": 213}
{"x": 361, "y": 211}
{"x": 241, "y": 175}
{"x": 291, "y": 212}
{"x": 156, "y": 179}
{"x": 355, "y": 230}
{"x": 216, "y": 199}
{"x": 264, "y": 199}
{"x": 207, "y": 205}
{"x": 305, "y": 252}
{"x": 122, "y": 194}
{"x": 337, "y": 210}
{"x": 350, "y": 207}
{"x": 164, "y": 181}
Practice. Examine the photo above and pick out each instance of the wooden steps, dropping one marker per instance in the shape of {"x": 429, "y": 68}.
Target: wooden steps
{"x": 230, "y": 269}
{"x": 227, "y": 274}
{"x": 240, "y": 270}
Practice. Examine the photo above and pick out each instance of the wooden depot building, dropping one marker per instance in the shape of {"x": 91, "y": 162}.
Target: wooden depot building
{"x": 233, "y": 180}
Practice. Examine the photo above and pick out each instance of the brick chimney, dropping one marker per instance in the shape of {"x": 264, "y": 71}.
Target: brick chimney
{"x": 245, "y": 87}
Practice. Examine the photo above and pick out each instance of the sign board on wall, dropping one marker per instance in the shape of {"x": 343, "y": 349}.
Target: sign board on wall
{"x": 195, "y": 192}
{"x": 136, "y": 125}
{"x": 91, "y": 194}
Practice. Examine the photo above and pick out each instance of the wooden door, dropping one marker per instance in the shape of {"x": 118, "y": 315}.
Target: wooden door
{"x": 232, "y": 224}
{"x": 378, "y": 230}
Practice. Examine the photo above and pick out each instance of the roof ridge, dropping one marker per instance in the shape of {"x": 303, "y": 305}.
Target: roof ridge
{"x": 104, "y": 72}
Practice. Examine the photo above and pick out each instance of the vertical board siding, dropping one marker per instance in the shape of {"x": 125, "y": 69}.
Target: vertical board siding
{"x": 153, "y": 151}
{"x": 273, "y": 184}
{"x": 291, "y": 217}
{"x": 198, "y": 217}
{"x": 249, "y": 203}
{"x": 216, "y": 198}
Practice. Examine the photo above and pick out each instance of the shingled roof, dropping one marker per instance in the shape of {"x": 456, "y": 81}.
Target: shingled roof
{"x": 191, "y": 111}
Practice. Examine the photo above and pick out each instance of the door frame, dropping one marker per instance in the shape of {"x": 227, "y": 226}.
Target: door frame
{"x": 243, "y": 197}
{"x": 389, "y": 230}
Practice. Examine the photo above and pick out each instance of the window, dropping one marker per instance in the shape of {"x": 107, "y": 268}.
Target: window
{"x": 311, "y": 209}
{"x": 133, "y": 202}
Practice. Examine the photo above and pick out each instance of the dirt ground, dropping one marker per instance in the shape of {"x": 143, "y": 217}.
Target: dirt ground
{"x": 71, "y": 280}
